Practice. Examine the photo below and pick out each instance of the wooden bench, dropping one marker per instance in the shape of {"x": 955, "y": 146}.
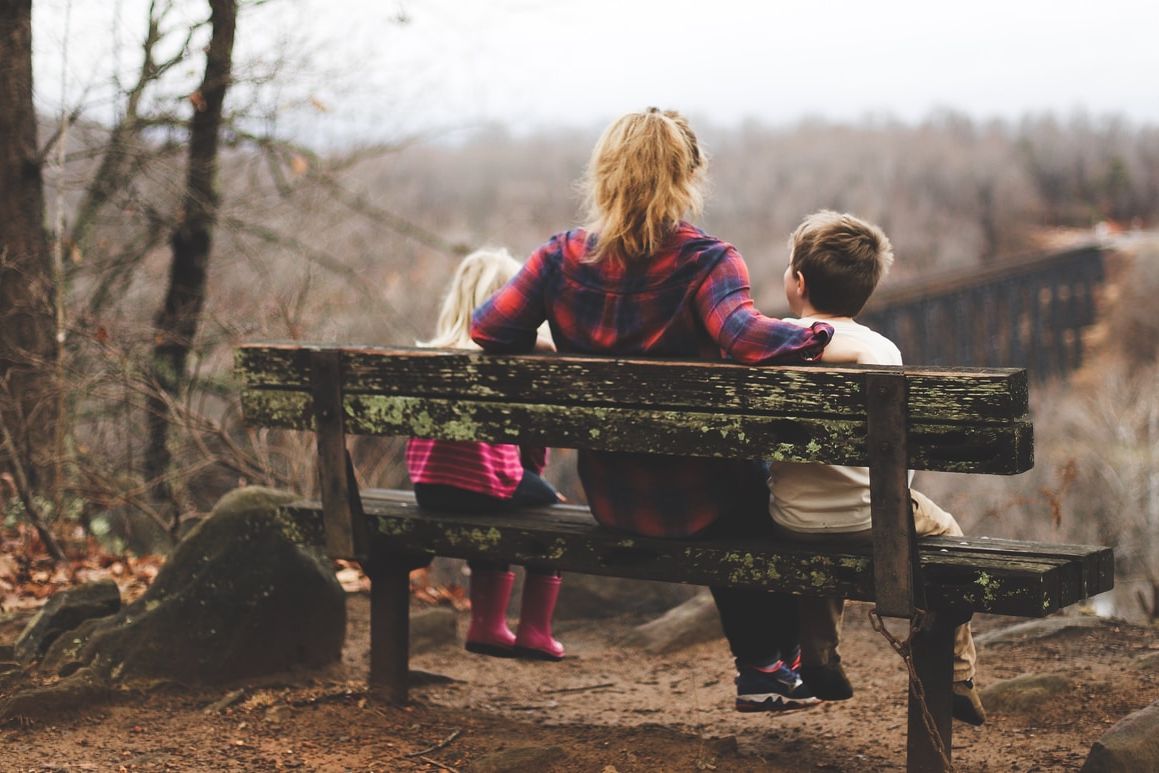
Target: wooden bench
{"x": 889, "y": 419}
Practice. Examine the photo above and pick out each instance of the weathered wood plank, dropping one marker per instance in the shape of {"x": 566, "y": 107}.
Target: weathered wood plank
{"x": 1097, "y": 562}
{"x": 1094, "y": 564}
{"x": 895, "y": 550}
{"x": 933, "y": 658}
{"x": 1086, "y": 569}
{"x": 389, "y": 627}
{"x": 345, "y": 526}
{"x": 986, "y": 582}
{"x": 1001, "y": 449}
{"x": 942, "y": 394}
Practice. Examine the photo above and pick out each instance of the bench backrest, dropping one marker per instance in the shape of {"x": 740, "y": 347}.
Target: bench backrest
{"x": 886, "y": 418}
{"x": 958, "y": 420}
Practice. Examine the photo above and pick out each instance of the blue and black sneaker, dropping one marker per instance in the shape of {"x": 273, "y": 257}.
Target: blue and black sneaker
{"x": 774, "y": 687}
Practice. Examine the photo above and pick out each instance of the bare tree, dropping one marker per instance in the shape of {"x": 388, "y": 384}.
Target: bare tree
{"x": 28, "y": 346}
{"x": 177, "y": 321}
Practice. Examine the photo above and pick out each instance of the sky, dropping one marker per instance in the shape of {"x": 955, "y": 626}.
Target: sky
{"x": 357, "y": 71}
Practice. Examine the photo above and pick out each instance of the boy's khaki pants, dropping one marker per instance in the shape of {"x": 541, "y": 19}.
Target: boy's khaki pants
{"x": 821, "y": 617}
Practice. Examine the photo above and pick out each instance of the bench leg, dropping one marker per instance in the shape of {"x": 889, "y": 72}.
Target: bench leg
{"x": 389, "y": 627}
{"x": 933, "y": 655}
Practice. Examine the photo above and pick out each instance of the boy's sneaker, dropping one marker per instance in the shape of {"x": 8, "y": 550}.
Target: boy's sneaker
{"x": 828, "y": 682}
{"x": 967, "y": 706}
{"x": 771, "y": 688}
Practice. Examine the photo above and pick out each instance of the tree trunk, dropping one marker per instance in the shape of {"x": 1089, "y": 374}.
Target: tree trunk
{"x": 28, "y": 347}
{"x": 177, "y": 321}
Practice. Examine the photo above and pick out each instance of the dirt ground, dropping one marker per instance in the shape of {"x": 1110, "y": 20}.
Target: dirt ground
{"x": 605, "y": 709}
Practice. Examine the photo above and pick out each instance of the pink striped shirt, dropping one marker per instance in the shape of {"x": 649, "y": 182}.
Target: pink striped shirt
{"x": 493, "y": 469}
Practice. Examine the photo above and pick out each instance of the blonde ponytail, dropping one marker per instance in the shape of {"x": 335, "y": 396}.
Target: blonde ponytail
{"x": 645, "y": 174}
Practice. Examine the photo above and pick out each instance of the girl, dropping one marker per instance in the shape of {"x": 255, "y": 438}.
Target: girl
{"x": 473, "y": 477}
{"x": 641, "y": 281}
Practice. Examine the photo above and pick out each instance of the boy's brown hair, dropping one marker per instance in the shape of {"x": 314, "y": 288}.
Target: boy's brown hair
{"x": 842, "y": 259}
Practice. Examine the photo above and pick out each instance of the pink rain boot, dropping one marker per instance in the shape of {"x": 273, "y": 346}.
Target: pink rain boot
{"x": 534, "y": 640}
{"x": 488, "y": 633}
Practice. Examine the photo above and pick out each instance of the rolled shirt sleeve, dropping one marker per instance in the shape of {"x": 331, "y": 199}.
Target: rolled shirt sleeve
{"x": 508, "y": 321}
{"x": 725, "y": 304}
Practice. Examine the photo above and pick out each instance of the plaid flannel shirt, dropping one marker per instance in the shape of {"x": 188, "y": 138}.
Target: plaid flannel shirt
{"x": 691, "y": 300}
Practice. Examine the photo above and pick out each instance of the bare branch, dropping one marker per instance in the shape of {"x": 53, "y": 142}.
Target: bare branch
{"x": 58, "y": 132}
{"x": 117, "y": 166}
{"x": 24, "y": 489}
{"x": 318, "y": 257}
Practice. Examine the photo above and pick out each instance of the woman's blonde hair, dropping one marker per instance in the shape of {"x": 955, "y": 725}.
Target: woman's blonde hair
{"x": 644, "y": 175}
{"x": 477, "y": 278}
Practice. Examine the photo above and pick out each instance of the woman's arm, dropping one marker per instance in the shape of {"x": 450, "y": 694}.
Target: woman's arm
{"x": 726, "y": 307}
{"x": 508, "y": 321}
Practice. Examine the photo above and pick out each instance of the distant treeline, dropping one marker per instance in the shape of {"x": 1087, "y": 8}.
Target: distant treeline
{"x": 950, "y": 191}
{"x": 358, "y": 246}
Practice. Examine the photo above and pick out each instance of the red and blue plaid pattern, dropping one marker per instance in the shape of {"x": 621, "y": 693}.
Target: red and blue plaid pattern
{"x": 693, "y": 301}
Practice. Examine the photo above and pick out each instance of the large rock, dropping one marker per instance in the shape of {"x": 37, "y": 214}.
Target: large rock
{"x": 693, "y": 622}
{"x": 1131, "y": 745}
{"x": 1045, "y": 628}
{"x": 433, "y": 628}
{"x": 64, "y": 612}
{"x": 586, "y": 596}
{"x": 1025, "y": 694}
{"x": 238, "y": 598}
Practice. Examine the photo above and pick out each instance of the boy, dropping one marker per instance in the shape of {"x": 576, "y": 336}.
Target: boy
{"x": 835, "y": 262}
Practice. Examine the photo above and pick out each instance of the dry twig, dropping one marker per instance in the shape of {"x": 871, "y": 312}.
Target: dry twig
{"x": 440, "y": 745}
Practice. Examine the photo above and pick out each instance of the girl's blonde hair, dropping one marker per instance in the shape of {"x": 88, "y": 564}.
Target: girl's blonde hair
{"x": 645, "y": 174}
{"x": 476, "y": 279}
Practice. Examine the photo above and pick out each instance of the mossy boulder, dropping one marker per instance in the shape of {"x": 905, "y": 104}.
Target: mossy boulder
{"x": 1025, "y": 694}
{"x": 239, "y": 597}
{"x": 693, "y": 622}
{"x": 64, "y": 612}
{"x": 590, "y": 596}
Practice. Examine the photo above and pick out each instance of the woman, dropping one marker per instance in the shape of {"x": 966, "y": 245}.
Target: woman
{"x": 641, "y": 281}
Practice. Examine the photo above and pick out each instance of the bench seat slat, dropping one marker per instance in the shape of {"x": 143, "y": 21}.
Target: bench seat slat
{"x": 1097, "y": 562}
{"x": 935, "y": 394}
{"x": 1089, "y": 569}
{"x": 989, "y": 581}
{"x": 1003, "y": 449}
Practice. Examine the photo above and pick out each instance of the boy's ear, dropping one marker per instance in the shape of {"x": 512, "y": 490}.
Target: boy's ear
{"x": 802, "y": 287}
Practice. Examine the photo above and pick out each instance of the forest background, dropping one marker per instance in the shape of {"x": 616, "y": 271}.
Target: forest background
{"x": 347, "y": 235}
